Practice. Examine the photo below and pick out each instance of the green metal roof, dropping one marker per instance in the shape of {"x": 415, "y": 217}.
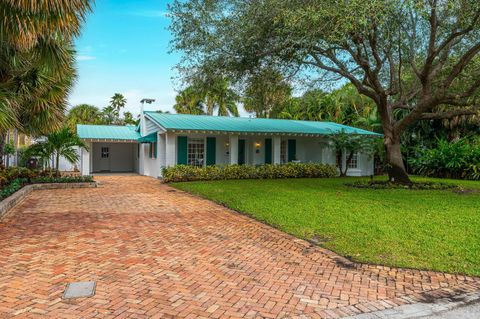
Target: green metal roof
{"x": 107, "y": 132}
{"x": 187, "y": 122}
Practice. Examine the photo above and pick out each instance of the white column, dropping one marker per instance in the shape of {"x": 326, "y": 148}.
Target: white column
{"x": 233, "y": 144}
{"x": 170, "y": 150}
{"x": 141, "y": 159}
{"x": 85, "y": 159}
{"x": 276, "y": 149}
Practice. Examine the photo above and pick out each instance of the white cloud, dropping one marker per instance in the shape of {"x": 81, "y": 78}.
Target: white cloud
{"x": 85, "y": 57}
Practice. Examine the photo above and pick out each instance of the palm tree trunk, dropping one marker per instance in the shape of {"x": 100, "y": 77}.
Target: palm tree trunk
{"x": 57, "y": 161}
{"x": 3, "y": 138}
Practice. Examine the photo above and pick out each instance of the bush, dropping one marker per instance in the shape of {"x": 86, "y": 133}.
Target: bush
{"x": 185, "y": 173}
{"x": 460, "y": 159}
{"x": 63, "y": 179}
{"x": 14, "y": 186}
{"x": 14, "y": 178}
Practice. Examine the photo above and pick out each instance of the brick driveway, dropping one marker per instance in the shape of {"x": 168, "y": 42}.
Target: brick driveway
{"x": 160, "y": 253}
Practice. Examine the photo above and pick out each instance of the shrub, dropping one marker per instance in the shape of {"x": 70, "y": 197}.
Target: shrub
{"x": 184, "y": 173}
{"x": 63, "y": 179}
{"x": 14, "y": 186}
{"x": 460, "y": 159}
{"x": 14, "y": 178}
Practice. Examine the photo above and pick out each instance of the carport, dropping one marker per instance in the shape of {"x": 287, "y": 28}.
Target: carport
{"x": 111, "y": 148}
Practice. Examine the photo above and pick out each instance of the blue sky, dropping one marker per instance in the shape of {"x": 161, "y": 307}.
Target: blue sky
{"x": 124, "y": 48}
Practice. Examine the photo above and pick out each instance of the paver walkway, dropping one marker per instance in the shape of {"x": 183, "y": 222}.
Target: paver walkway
{"x": 159, "y": 253}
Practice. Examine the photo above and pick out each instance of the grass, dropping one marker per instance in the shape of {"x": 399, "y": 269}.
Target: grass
{"x": 424, "y": 229}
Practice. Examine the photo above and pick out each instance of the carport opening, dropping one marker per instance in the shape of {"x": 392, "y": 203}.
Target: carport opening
{"x": 108, "y": 157}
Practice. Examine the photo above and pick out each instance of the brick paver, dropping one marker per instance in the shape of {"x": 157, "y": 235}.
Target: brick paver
{"x": 159, "y": 253}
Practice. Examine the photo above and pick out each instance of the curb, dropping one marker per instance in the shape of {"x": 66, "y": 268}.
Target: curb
{"x": 422, "y": 309}
{"x": 8, "y": 203}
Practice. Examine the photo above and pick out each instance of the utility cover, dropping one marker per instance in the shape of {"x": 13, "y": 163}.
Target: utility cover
{"x": 80, "y": 290}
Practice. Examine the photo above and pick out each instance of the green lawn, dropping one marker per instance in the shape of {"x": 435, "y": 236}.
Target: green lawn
{"x": 438, "y": 230}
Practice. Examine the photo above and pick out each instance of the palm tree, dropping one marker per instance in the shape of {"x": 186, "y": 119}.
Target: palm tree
{"x": 111, "y": 113}
{"x": 62, "y": 143}
{"x": 219, "y": 96}
{"x": 189, "y": 101}
{"x": 117, "y": 102}
{"x": 36, "y": 62}
{"x": 83, "y": 114}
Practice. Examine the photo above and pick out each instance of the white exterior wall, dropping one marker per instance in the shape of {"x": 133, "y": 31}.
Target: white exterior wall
{"x": 308, "y": 149}
{"x": 85, "y": 160}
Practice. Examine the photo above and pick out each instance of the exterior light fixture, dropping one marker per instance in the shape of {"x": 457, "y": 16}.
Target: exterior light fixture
{"x": 257, "y": 145}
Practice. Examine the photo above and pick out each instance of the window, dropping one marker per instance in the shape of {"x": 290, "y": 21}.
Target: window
{"x": 196, "y": 151}
{"x": 354, "y": 161}
{"x": 283, "y": 152}
{"x": 105, "y": 152}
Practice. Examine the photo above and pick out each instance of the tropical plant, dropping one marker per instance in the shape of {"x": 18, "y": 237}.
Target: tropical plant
{"x": 184, "y": 173}
{"x": 83, "y": 114}
{"x": 62, "y": 143}
{"x": 36, "y": 63}
{"x": 267, "y": 93}
{"x": 459, "y": 159}
{"x": 220, "y": 97}
{"x": 351, "y": 144}
{"x": 8, "y": 150}
{"x": 128, "y": 119}
{"x": 419, "y": 56}
{"x": 111, "y": 113}
{"x": 189, "y": 101}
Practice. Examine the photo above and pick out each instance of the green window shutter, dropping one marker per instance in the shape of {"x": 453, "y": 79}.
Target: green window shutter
{"x": 292, "y": 149}
{"x": 150, "y": 150}
{"x": 155, "y": 146}
{"x": 211, "y": 150}
{"x": 182, "y": 144}
{"x": 268, "y": 151}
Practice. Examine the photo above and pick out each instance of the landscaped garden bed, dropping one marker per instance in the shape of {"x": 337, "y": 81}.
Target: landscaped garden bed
{"x": 375, "y": 184}
{"x": 426, "y": 229}
{"x": 186, "y": 173}
{"x": 13, "y": 179}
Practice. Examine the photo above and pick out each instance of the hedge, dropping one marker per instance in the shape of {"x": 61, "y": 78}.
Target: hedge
{"x": 185, "y": 173}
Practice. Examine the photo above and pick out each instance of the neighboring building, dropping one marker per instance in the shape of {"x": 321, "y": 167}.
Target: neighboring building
{"x": 163, "y": 140}
{"x": 19, "y": 141}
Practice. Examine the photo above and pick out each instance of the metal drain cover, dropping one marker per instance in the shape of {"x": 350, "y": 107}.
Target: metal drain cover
{"x": 80, "y": 289}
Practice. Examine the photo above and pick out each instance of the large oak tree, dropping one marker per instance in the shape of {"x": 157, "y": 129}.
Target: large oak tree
{"x": 419, "y": 56}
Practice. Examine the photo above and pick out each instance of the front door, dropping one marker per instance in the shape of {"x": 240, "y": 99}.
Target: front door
{"x": 105, "y": 158}
{"x": 241, "y": 152}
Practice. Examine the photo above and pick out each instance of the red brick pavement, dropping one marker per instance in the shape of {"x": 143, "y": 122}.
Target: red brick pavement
{"x": 159, "y": 253}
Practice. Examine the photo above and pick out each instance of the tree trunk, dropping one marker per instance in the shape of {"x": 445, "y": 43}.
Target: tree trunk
{"x": 57, "y": 161}
{"x": 3, "y": 138}
{"x": 396, "y": 167}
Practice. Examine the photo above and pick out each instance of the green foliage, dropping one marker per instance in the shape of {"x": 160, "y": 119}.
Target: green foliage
{"x": 62, "y": 179}
{"x": 83, "y": 114}
{"x": 14, "y": 178}
{"x": 9, "y": 148}
{"x": 351, "y": 144}
{"x": 184, "y": 173}
{"x": 460, "y": 159}
{"x": 11, "y": 188}
{"x": 62, "y": 143}
{"x": 189, "y": 101}
{"x": 267, "y": 93}
{"x": 207, "y": 95}
{"x": 427, "y": 229}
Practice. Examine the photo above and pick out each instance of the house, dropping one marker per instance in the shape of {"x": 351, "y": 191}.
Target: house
{"x": 163, "y": 140}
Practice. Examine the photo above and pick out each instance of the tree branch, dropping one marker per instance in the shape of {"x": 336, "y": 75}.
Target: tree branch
{"x": 450, "y": 114}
